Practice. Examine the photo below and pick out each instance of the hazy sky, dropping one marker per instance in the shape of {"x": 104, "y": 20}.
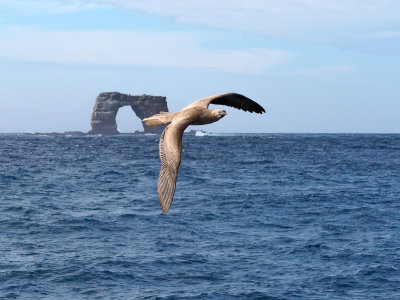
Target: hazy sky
{"x": 315, "y": 65}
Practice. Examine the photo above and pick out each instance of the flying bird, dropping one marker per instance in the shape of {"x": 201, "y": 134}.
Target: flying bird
{"x": 170, "y": 146}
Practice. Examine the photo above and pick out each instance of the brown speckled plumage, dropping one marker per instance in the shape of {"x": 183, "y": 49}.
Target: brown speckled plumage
{"x": 170, "y": 146}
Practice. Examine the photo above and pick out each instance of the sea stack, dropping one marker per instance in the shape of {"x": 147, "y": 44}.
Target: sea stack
{"x": 107, "y": 105}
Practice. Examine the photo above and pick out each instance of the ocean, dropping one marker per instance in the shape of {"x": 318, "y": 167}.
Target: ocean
{"x": 268, "y": 216}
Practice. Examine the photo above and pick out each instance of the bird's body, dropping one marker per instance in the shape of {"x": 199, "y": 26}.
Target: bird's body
{"x": 170, "y": 146}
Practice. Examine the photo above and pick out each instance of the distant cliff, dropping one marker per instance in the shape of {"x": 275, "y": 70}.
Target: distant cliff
{"x": 107, "y": 105}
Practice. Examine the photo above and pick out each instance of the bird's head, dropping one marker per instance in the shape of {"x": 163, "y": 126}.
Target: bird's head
{"x": 220, "y": 113}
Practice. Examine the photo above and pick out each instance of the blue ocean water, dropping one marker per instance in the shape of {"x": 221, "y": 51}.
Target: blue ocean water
{"x": 254, "y": 217}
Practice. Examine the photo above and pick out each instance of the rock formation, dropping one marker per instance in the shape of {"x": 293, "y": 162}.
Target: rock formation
{"x": 106, "y": 108}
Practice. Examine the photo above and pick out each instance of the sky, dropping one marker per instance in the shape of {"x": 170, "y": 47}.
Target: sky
{"x": 316, "y": 66}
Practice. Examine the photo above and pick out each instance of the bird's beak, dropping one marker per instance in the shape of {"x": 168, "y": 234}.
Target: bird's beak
{"x": 222, "y": 114}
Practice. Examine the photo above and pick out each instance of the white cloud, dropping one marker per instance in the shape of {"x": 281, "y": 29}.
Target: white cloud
{"x": 332, "y": 21}
{"x": 351, "y": 24}
{"x": 158, "y": 49}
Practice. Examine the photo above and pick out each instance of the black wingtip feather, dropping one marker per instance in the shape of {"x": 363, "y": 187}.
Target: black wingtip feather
{"x": 240, "y": 102}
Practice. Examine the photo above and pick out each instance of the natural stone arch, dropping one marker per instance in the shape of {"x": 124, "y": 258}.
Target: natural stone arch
{"x": 107, "y": 105}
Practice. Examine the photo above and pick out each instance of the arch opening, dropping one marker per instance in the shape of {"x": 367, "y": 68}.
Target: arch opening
{"x": 127, "y": 121}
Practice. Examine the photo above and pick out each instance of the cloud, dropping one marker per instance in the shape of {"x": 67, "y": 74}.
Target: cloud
{"x": 361, "y": 25}
{"x": 328, "y": 21}
{"x": 158, "y": 49}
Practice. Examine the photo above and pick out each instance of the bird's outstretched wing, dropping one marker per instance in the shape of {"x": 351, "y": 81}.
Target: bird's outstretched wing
{"x": 170, "y": 148}
{"x": 231, "y": 99}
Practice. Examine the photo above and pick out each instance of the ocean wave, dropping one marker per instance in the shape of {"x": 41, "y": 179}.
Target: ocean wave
{"x": 253, "y": 217}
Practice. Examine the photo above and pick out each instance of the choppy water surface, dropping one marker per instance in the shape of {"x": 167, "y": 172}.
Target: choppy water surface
{"x": 254, "y": 217}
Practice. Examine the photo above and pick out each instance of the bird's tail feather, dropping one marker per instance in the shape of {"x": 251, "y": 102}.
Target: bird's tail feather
{"x": 158, "y": 119}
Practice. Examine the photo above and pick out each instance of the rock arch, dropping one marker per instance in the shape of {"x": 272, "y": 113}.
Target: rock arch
{"x": 107, "y": 105}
